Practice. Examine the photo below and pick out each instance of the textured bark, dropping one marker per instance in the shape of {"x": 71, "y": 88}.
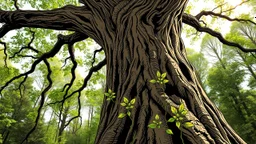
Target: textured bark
{"x": 144, "y": 44}
{"x": 139, "y": 37}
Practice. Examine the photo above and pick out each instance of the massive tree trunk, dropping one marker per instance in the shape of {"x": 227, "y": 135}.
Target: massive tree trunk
{"x": 139, "y": 37}
{"x": 147, "y": 40}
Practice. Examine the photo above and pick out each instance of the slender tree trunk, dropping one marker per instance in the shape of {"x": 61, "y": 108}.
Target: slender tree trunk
{"x": 237, "y": 96}
{"x": 90, "y": 117}
{"x": 49, "y": 122}
{"x": 63, "y": 123}
{"x": 88, "y": 124}
{"x": 6, "y": 136}
{"x": 248, "y": 66}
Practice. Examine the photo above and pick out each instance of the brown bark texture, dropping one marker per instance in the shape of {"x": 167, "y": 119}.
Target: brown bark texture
{"x": 139, "y": 38}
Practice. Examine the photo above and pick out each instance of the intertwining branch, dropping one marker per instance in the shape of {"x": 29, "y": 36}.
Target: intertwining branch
{"x": 67, "y": 18}
{"x": 194, "y": 21}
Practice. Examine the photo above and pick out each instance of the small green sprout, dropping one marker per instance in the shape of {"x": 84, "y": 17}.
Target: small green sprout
{"x": 156, "y": 123}
{"x": 110, "y": 95}
{"x": 121, "y": 115}
{"x": 179, "y": 115}
{"x": 169, "y": 131}
{"x": 188, "y": 125}
{"x": 160, "y": 78}
{"x": 129, "y": 105}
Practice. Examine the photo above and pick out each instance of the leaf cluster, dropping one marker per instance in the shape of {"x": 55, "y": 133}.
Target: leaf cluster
{"x": 110, "y": 95}
{"x": 129, "y": 105}
{"x": 160, "y": 78}
{"x": 156, "y": 122}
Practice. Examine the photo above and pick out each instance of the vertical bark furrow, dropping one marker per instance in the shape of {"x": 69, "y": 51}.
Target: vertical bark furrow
{"x": 182, "y": 82}
{"x": 221, "y": 136}
{"x": 222, "y": 119}
{"x": 200, "y": 133}
{"x": 142, "y": 118}
{"x": 161, "y": 136}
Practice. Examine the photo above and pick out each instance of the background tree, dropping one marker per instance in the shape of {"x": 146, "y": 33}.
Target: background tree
{"x": 229, "y": 79}
{"x": 200, "y": 63}
{"x": 17, "y": 115}
{"x": 141, "y": 40}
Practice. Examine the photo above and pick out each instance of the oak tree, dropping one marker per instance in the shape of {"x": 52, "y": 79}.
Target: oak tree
{"x": 149, "y": 78}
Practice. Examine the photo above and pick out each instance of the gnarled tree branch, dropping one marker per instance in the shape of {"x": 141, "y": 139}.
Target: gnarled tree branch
{"x": 211, "y": 13}
{"x": 6, "y": 28}
{"x": 222, "y": 11}
{"x": 5, "y": 53}
{"x": 27, "y": 47}
{"x": 66, "y": 18}
{"x": 61, "y": 41}
{"x": 86, "y": 80}
{"x": 43, "y": 94}
{"x": 194, "y": 22}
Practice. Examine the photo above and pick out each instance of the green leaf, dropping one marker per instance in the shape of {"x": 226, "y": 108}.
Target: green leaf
{"x": 166, "y": 81}
{"x": 126, "y": 100}
{"x": 178, "y": 124}
{"x": 152, "y": 125}
{"x": 153, "y": 81}
{"x": 158, "y": 74}
{"x": 180, "y": 118}
{"x": 109, "y": 91}
{"x": 157, "y": 117}
{"x": 169, "y": 131}
{"x": 188, "y": 125}
{"x": 123, "y": 104}
{"x": 129, "y": 113}
{"x": 174, "y": 110}
{"x": 108, "y": 99}
{"x": 132, "y": 101}
{"x": 163, "y": 75}
{"x": 184, "y": 112}
{"x": 171, "y": 120}
{"x": 181, "y": 108}
{"x": 121, "y": 115}
{"x": 107, "y": 94}
{"x": 158, "y": 126}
